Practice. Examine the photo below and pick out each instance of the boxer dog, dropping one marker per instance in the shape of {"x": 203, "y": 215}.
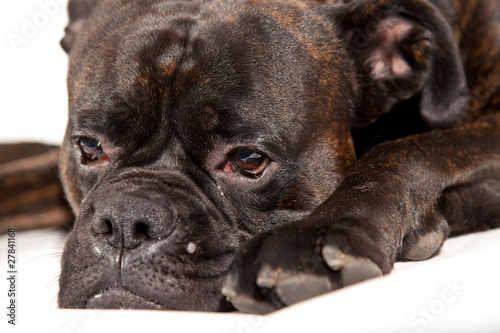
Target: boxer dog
{"x": 256, "y": 153}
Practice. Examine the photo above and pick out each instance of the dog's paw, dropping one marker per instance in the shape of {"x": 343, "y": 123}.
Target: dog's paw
{"x": 298, "y": 262}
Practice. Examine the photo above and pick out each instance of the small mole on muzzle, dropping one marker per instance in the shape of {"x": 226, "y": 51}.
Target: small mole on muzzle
{"x": 191, "y": 248}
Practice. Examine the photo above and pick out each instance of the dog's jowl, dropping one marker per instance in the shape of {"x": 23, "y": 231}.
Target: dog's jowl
{"x": 252, "y": 154}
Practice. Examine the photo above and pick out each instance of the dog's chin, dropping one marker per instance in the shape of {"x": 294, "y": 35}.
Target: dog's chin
{"x": 119, "y": 298}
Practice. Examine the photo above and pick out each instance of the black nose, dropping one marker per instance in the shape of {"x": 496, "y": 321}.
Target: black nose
{"x": 129, "y": 219}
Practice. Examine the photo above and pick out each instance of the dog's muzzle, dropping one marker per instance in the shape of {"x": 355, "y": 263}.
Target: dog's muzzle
{"x": 149, "y": 240}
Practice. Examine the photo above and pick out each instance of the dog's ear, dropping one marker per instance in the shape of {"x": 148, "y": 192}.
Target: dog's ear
{"x": 403, "y": 49}
{"x": 78, "y": 12}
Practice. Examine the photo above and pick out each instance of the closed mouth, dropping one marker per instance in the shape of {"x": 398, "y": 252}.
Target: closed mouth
{"x": 120, "y": 298}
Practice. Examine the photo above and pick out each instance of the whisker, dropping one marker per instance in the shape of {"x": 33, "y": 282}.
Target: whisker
{"x": 44, "y": 256}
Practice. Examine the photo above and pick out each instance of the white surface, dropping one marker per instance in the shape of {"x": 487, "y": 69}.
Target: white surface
{"x": 33, "y": 71}
{"x": 456, "y": 291}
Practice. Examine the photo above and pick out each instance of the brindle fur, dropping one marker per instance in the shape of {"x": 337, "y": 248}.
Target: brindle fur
{"x": 380, "y": 117}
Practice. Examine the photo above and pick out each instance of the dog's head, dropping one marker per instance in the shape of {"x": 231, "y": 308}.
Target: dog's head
{"x": 194, "y": 125}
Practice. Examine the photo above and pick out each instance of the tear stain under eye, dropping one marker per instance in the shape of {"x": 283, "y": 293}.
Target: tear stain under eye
{"x": 220, "y": 189}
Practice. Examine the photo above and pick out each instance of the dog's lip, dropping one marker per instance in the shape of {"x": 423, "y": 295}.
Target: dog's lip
{"x": 120, "y": 298}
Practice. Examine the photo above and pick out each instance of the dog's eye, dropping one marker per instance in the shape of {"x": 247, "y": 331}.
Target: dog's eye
{"x": 247, "y": 162}
{"x": 91, "y": 149}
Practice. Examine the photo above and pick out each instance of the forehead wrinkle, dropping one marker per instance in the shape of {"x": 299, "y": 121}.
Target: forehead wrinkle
{"x": 149, "y": 73}
{"x": 238, "y": 65}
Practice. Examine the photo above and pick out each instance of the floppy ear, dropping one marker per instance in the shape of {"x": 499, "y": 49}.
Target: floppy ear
{"x": 403, "y": 49}
{"x": 79, "y": 11}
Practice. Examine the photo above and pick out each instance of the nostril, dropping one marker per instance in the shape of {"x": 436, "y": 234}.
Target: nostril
{"x": 103, "y": 226}
{"x": 108, "y": 227}
{"x": 141, "y": 230}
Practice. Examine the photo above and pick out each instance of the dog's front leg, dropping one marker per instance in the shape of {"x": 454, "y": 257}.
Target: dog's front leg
{"x": 392, "y": 205}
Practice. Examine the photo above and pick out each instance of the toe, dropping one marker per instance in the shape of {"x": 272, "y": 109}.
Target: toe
{"x": 351, "y": 269}
{"x": 294, "y": 288}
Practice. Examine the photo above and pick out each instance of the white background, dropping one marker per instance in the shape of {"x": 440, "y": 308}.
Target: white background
{"x": 33, "y": 106}
{"x": 33, "y": 102}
